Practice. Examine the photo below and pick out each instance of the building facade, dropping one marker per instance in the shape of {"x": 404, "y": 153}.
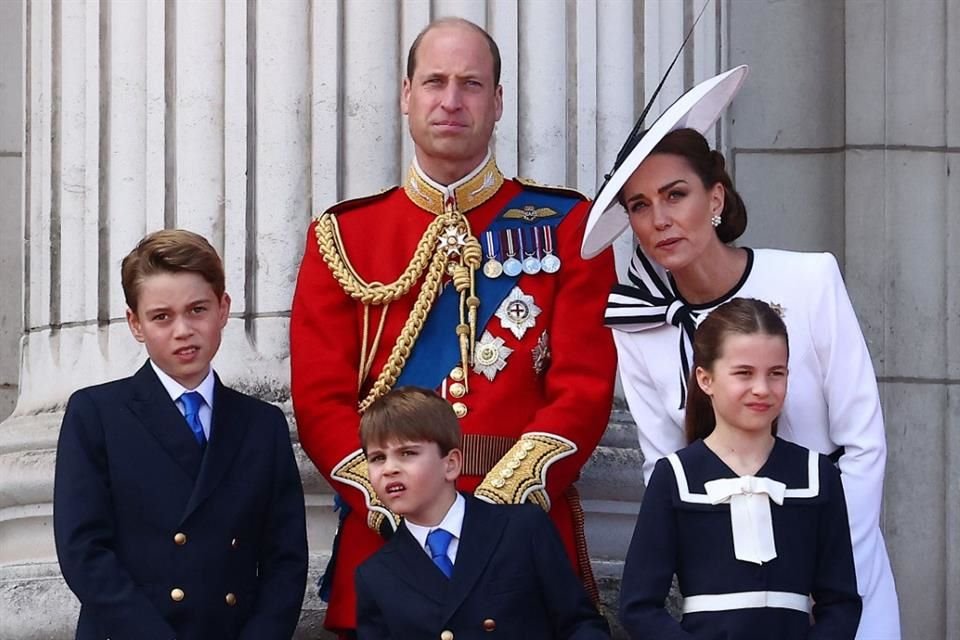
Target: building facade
{"x": 240, "y": 119}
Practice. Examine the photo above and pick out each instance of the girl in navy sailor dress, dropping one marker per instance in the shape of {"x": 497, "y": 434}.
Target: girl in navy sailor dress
{"x": 754, "y": 527}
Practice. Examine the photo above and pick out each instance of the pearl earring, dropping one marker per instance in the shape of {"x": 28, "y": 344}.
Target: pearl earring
{"x": 715, "y": 220}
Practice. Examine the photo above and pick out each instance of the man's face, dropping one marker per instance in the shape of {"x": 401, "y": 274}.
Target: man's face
{"x": 452, "y": 101}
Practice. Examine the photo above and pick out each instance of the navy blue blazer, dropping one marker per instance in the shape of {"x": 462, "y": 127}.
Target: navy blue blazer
{"x": 680, "y": 532}
{"x": 159, "y": 540}
{"x": 511, "y": 576}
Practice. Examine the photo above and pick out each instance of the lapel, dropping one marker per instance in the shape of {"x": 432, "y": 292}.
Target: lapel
{"x": 483, "y": 526}
{"x": 228, "y": 429}
{"x": 415, "y": 567}
{"x": 156, "y": 411}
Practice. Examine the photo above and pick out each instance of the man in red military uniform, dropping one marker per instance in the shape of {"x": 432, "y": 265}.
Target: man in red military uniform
{"x": 460, "y": 281}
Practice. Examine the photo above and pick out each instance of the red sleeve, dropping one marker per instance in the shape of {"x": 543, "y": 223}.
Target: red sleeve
{"x": 324, "y": 362}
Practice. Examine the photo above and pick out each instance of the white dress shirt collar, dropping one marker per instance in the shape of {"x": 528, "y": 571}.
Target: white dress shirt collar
{"x": 205, "y": 389}
{"x": 452, "y": 522}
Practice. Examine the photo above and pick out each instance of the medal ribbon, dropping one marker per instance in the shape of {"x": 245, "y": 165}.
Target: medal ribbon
{"x": 511, "y": 251}
{"x": 437, "y": 350}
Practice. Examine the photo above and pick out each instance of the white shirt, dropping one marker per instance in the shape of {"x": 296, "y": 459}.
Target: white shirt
{"x": 205, "y": 389}
{"x": 452, "y": 522}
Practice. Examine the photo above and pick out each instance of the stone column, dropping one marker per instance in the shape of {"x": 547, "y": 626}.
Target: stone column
{"x": 240, "y": 120}
{"x": 902, "y": 198}
{"x": 844, "y": 141}
{"x": 143, "y": 115}
{"x": 11, "y": 190}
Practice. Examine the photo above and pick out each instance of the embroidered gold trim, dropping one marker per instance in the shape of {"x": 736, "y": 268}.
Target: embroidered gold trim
{"x": 521, "y": 475}
{"x": 469, "y": 195}
{"x": 353, "y": 471}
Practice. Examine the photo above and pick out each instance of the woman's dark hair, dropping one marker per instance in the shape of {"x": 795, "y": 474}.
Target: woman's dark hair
{"x": 710, "y": 167}
{"x": 740, "y": 316}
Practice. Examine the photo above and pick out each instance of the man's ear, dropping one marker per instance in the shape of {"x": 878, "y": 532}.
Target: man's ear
{"x": 133, "y": 321}
{"x": 405, "y": 97}
{"x": 704, "y": 380}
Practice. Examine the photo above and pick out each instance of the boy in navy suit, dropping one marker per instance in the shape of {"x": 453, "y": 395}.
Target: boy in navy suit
{"x": 457, "y": 567}
{"x": 178, "y": 510}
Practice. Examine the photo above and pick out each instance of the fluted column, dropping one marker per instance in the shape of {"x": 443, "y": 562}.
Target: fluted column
{"x": 240, "y": 120}
{"x": 902, "y": 198}
{"x": 11, "y": 190}
{"x": 846, "y": 139}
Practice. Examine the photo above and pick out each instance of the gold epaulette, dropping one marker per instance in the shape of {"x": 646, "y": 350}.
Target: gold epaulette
{"x": 353, "y": 471}
{"x": 527, "y": 183}
{"x": 521, "y": 475}
{"x": 353, "y": 203}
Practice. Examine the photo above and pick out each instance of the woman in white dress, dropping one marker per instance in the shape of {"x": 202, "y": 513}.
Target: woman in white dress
{"x": 673, "y": 191}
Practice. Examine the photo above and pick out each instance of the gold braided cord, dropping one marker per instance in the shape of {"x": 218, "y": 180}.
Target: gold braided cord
{"x": 367, "y": 353}
{"x": 361, "y": 368}
{"x": 376, "y": 343}
{"x": 429, "y": 257}
{"x": 411, "y": 331}
{"x": 331, "y": 248}
{"x": 472, "y": 256}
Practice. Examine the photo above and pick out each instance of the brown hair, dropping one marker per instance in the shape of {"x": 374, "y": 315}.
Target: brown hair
{"x": 410, "y": 414}
{"x": 170, "y": 251}
{"x": 710, "y": 167}
{"x": 451, "y": 21}
{"x": 742, "y": 316}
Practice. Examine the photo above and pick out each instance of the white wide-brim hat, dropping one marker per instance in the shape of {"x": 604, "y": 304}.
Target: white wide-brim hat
{"x": 698, "y": 109}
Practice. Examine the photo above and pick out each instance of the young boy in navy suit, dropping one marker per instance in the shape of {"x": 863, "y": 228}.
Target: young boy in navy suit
{"x": 178, "y": 510}
{"x": 457, "y": 567}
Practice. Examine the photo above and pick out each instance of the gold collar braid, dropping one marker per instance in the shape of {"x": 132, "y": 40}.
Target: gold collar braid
{"x": 447, "y": 246}
{"x": 469, "y": 194}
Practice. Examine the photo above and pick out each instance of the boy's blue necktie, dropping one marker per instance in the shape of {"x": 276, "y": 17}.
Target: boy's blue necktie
{"x": 192, "y": 401}
{"x": 437, "y": 541}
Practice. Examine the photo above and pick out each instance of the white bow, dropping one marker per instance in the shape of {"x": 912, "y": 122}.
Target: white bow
{"x": 749, "y": 498}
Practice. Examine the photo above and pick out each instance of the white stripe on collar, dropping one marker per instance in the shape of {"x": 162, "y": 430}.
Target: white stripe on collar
{"x": 812, "y": 489}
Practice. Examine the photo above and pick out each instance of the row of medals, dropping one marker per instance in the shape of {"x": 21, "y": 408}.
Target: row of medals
{"x": 535, "y": 245}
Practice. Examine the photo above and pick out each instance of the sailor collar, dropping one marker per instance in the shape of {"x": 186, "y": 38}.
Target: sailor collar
{"x": 465, "y": 194}
{"x": 686, "y": 494}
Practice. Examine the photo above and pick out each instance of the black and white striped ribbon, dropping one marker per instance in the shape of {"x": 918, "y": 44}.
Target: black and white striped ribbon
{"x": 649, "y": 301}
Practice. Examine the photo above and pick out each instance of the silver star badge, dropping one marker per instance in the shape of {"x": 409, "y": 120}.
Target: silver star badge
{"x": 451, "y": 240}
{"x": 518, "y": 312}
{"x": 490, "y": 356}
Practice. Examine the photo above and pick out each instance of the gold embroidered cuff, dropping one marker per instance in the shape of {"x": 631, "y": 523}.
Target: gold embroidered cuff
{"x": 352, "y": 471}
{"x": 521, "y": 475}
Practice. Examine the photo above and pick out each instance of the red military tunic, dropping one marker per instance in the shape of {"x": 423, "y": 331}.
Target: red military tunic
{"x": 556, "y": 386}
